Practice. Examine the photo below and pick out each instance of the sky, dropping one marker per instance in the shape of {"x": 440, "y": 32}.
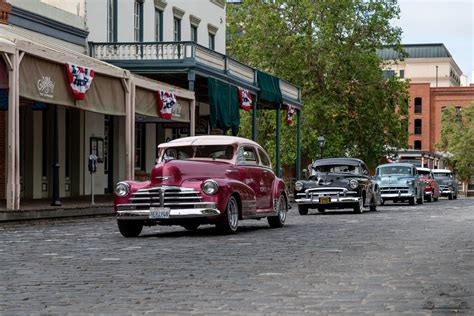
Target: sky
{"x": 450, "y": 22}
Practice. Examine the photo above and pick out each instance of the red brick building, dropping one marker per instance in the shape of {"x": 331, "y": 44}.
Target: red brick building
{"x": 426, "y": 105}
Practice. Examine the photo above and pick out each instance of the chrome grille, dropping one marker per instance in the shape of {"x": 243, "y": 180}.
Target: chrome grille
{"x": 172, "y": 197}
{"x": 325, "y": 192}
{"x": 393, "y": 190}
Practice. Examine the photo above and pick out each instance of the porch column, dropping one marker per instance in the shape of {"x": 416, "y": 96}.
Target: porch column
{"x": 278, "y": 163}
{"x": 254, "y": 120}
{"x": 13, "y": 133}
{"x": 55, "y": 199}
{"x": 129, "y": 125}
{"x": 132, "y": 137}
{"x": 298, "y": 144}
{"x": 192, "y": 116}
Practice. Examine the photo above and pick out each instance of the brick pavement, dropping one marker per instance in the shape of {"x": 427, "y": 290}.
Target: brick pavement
{"x": 402, "y": 259}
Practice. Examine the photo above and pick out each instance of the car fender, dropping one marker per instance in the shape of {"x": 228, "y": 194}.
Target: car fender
{"x": 279, "y": 187}
{"x": 134, "y": 187}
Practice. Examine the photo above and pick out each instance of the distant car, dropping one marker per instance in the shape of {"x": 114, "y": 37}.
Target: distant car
{"x": 337, "y": 183}
{"x": 448, "y": 184}
{"x": 216, "y": 180}
{"x": 400, "y": 182}
{"x": 432, "y": 192}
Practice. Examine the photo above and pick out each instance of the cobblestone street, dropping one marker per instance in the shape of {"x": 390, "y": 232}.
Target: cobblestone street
{"x": 413, "y": 259}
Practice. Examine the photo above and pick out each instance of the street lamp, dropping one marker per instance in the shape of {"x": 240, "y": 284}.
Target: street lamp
{"x": 321, "y": 142}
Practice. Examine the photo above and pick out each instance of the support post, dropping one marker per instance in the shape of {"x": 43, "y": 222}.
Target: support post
{"x": 128, "y": 127}
{"x": 192, "y": 117}
{"x": 132, "y": 137}
{"x": 55, "y": 198}
{"x": 278, "y": 162}
{"x": 254, "y": 119}
{"x": 13, "y": 155}
{"x": 298, "y": 144}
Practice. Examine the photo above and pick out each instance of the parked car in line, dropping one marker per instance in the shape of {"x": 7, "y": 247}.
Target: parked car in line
{"x": 431, "y": 185}
{"x": 216, "y": 180}
{"x": 337, "y": 183}
{"x": 400, "y": 182}
{"x": 448, "y": 184}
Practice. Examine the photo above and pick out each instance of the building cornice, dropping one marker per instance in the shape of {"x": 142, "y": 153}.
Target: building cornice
{"x": 161, "y": 4}
{"x": 178, "y": 13}
{"x": 194, "y": 20}
{"x": 219, "y": 3}
{"x": 41, "y": 24}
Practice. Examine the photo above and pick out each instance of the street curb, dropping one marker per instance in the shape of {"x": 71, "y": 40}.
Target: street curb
{"x": 7, "y": 216}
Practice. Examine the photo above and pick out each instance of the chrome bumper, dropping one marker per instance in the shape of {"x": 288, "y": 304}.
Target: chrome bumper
{"x": 315, "y": 201}
{"x": 388, "y": 196}
{"x": 125, "y": 211}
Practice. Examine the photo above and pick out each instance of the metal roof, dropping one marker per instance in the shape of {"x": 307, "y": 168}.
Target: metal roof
{"x": 336, "y": 161}
{"x": 416, "y": 51}
{"x": 207, "y": 140}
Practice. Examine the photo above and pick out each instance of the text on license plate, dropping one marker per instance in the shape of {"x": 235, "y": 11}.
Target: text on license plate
{"x": 159, "y": 212}
{"x": 324, "y": 200}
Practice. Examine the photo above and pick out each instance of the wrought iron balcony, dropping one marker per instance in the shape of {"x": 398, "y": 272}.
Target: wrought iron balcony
{"x": 186, "y": 53}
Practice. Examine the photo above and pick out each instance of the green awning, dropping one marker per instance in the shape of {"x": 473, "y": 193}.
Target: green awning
{"x": 269, "y": 88}
{"x": 224, "y": 106}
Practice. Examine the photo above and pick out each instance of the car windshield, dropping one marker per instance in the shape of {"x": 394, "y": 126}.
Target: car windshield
{"x": 424, "y": 172}
{"x": 224, "y": 152}
{"x": 337, "y": 169}
{"x": 398, "y": 170}
{"x": 441, "y": 175}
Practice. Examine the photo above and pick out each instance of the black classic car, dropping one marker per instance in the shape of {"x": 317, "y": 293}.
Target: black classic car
{"x": 337, "y": 183}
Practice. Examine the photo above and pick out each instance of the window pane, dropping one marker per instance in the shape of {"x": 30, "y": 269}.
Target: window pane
{"x": 418, "y": 103}
{"x": 158, "y": 26}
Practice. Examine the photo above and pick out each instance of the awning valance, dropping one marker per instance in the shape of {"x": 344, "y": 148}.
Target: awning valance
{"x": 146, "y": 104}
{"x": 269, "y": 88}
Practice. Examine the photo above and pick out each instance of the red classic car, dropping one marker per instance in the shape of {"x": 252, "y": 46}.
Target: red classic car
{"x": 203, "y": 180}
{"x": 432, "y": 192}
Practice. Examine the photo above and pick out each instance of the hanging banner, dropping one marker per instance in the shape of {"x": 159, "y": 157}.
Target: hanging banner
{"x": 166, "y": 103}
{"x": 245, "y": 99}
{"x": 80, "y": 79}
{"x": 290, "y": 112}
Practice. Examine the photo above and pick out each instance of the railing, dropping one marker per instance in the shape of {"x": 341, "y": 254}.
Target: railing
{"x": 181, "y": 52}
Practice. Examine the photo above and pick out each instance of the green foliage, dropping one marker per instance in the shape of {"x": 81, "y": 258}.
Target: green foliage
{"x": 457, "y": 138}
{"x": 329, "y": 49}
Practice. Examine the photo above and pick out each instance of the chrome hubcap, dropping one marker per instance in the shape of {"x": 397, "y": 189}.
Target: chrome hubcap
{"x": 282, "y": 209}
{"x": 233, "y": 213}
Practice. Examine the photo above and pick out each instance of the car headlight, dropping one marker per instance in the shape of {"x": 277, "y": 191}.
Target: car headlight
{"x": 298, "y": 186}
{"x": 122, "y": 189}
{"x": 410, "y": 182}
{"x": 353, "y": 184}
{"x": 210, "y": 187}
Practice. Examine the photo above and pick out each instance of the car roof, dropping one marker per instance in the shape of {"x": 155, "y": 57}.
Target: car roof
{"x": 441, "y": 171}
{"x": 208, "y": 140}
{"x": 403, "y": 164}
{"x": 333, "y": 161}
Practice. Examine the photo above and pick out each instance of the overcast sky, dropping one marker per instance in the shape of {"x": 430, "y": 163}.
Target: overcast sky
{"x": 441, "y": 21}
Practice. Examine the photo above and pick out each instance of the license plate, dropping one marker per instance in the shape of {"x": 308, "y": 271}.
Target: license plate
{"x": 324, "y": 200}
{"x": 159, "y": 212}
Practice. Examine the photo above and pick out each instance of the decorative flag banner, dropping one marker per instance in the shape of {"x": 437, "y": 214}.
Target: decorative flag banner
{"x": 245, "y": 99}
{"x": 290, "y": 112}
{"x": 80, "y": 79}
{"x": 166, "y": 102}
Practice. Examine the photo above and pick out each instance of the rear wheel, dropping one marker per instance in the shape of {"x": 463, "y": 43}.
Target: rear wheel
{"x": 455, "y": 197}
{"x": 279, "y": 220}
{"x": 229, "y": 221}
{"x": 303, "y": 210}
{"x": 421, "y": 200}
{"x": 429, "y": 198}
{"x": 130, "y": 228}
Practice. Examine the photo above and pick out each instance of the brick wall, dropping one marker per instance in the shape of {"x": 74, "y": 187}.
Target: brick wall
{"x": 420, "y": 90}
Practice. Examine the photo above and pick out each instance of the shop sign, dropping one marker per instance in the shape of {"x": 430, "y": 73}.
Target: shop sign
{"x": 46, "y": 87}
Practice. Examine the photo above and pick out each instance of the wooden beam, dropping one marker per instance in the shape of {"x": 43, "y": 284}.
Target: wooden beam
{"x": 8, "y": 61}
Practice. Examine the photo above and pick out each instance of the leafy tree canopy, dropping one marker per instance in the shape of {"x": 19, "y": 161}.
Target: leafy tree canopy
{"x": 457, "y": 138}
{"x": 329, "y": 49}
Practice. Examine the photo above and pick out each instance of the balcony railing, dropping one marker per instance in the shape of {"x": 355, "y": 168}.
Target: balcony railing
{"x": 184, "y": 52}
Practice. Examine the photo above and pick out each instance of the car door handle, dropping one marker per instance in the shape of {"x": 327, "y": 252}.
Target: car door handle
{"x": 231, "y": 170}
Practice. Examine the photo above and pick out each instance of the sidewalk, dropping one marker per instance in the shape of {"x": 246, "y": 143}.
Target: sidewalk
{"x": 71, "y": 207}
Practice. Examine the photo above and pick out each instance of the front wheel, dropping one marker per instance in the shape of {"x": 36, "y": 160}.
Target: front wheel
{"x": 359, "y": 207}
{"x": 279, "y": 220}
{"x": 130, "y": 228}
{"x": 451, "y": 196}
{"x": 429, "y": 198}
{"x": 303, "y": 210}
{"x": 412, "y": 201}
{"x": 229, "y": 221}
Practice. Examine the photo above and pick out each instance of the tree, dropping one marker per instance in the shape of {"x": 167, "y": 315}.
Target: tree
{"x": 457, "y": 138}
{"x": 329, "y": 49}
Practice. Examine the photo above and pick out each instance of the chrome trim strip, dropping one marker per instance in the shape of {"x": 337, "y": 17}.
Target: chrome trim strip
{"x": 174, "y": 214}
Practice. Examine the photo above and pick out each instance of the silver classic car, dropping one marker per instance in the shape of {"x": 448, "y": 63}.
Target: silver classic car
{"x": 447, "y": 183}
{"x": 337, "y": 183}
{"x": 400, "y": 182}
